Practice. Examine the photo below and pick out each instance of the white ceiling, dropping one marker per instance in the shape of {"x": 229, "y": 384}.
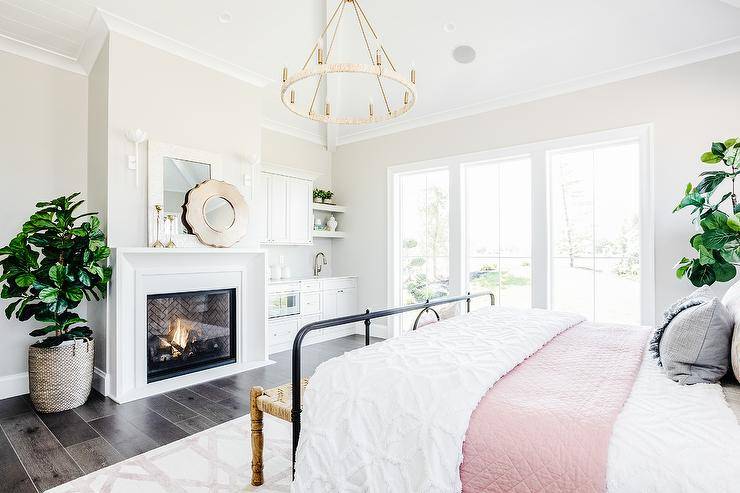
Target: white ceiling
{"x": 525, "y": 48}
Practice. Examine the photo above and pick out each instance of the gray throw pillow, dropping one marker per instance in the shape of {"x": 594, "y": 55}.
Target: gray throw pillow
{"x": 695, "y": 344}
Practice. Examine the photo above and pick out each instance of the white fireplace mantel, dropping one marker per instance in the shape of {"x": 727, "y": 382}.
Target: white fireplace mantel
{"x": 139, "y": 272}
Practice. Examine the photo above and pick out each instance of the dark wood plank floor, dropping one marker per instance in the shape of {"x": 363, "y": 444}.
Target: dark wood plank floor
{"x": 40, "y": 451}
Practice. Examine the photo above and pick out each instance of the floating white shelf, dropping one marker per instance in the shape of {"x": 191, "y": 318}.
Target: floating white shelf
{"x": 329, "y": 207}
{"x": 329, "y": 234}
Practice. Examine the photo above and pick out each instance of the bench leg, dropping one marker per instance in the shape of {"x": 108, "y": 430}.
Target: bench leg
{"x": 258, "y": 440}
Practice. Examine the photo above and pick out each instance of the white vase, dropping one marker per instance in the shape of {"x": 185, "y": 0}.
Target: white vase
{"x": 331, "y": 223}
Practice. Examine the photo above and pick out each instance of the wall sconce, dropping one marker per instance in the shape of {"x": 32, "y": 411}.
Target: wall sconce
{"x": 136, "y": 136}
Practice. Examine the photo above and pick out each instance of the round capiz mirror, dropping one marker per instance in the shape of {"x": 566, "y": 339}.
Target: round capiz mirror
{"x": 217, "y": 213}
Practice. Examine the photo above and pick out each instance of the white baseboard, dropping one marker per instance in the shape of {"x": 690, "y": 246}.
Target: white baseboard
{"x": 100, "y": 381}
{"x": 12, "y": 385}
{"x": 376, "y": 330}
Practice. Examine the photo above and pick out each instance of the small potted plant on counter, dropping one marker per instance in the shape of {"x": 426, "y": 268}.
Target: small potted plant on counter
{"x": 57, "y": 260}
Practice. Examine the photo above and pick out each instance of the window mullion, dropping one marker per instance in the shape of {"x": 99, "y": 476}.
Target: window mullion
{"x": 540, "y": 230}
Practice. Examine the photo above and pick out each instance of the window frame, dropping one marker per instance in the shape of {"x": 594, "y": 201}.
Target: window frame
{"x": 540, "y": 210}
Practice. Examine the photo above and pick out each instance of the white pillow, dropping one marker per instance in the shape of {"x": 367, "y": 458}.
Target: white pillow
{"x": 731, "y": 300}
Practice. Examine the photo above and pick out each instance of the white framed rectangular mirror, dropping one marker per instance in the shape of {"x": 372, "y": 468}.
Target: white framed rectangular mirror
{"x": 173, "y": 171}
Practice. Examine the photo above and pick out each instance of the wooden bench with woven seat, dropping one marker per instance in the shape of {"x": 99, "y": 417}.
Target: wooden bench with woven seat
{"x": 276, "y": 402}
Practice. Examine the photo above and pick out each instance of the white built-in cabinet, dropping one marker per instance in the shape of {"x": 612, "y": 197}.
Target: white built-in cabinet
{"x": 287, "y": 208}
{"x": 320, "y": 299}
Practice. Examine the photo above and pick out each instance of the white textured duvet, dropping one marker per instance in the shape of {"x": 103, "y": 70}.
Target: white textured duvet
{"x": 672, "y": 438}
{"x": 392, "y": 417}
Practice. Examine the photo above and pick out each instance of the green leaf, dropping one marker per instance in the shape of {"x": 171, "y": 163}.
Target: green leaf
{"x": 731, "y": 254}
{"x": 733, "y": 222}
{"x": 715, "y": 239}
{"x": 25, "y": 280}
{"x": 716, "y": 220}
{"x": 11, "y": 308}
{"x": 710, "y": 183}
{"x": 682, "y": 266}
{"x": 692, "y": 198}
{"x": 710, "y": 158}
{"x": 718, "y": 149}
{"x": 724, "y": 272}
{"x": 689, "y": 187}
{"x": 705, "y": 256}
{"x": 696, "y": 241}
{"x": 56, "y": 274}
{"x": 701, "y": 275}
{"x": 49, "y": 295}
{"x": 730, "y": 142}
{"x": 44, "y": 330}
{"x": 74, "y": 294}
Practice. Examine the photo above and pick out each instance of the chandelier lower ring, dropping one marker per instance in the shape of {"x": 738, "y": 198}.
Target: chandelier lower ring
{"x": 381, "y": 114}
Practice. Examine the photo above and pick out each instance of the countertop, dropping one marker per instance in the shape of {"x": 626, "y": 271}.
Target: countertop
{"x": 312, "y": 278}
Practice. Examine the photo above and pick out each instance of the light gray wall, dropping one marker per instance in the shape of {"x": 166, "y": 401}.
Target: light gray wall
{"x": 43, "y": 137}
{"x": 178, "y": 102}
{"x": 97, "y": 180}
{"x": 689, "y": 106}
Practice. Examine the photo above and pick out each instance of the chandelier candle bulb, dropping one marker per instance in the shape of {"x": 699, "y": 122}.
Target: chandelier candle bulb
{"x": 292, "y": 96}
{"x": 320, "y": 51}
{"x": 327, "y": 109}
{"x": 285, "y": 74}
{"x": 370, "y": 106}
{"x": 406, "y": 97}
{"x": 413, "y": 76}
{"x": 378, "y": 59}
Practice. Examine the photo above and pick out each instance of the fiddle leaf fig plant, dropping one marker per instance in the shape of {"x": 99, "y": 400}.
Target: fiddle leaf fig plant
{"x": 56, "y": 261}
{"x": 718, "y": 219}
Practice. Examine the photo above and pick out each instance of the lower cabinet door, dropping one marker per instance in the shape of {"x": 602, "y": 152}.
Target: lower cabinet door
{"x": 314, "y": 334}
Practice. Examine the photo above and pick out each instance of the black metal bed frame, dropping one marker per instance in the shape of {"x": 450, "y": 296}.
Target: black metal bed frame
{"x": 366, "y": 317}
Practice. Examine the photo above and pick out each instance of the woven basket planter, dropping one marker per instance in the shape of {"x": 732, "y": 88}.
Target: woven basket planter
{"x": 60, "y": 377}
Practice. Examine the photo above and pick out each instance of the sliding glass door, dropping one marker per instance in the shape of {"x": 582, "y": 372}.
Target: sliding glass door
{"x": 559, "y": 224}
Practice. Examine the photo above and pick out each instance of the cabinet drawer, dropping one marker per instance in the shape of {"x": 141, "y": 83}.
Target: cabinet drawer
{"x": 283, "y": 287}
{"x": 310, "y": 303}
{"x": 283, "y": 331}
{"x": 310, "y": 286}
{"x": 340, "y": 283}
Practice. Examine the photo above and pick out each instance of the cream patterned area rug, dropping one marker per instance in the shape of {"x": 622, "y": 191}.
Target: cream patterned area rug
{"x": 217, "y": 460}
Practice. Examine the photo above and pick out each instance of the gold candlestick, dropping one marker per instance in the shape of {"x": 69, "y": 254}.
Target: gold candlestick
{"x": 157, "y": 243}
{"x": 171, "y": 219}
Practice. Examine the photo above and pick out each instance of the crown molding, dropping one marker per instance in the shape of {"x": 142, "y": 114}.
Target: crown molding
{"x": 38, "y": 54}
{"x": 658, "y": 64}
{"x": 299, "y": 133}
{"x": 145, "y": 35}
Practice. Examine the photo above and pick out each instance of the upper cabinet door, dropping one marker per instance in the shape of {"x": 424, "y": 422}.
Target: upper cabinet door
{"x": 278, "y": 210}
{"x": 300, "y": 217}
{"x": 263, "y": 206}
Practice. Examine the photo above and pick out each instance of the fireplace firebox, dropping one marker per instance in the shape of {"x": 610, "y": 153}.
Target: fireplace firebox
{"x": 191, "y": 331}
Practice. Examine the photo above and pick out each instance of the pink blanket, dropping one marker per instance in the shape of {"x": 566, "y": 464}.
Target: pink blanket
{"x": 546, "y": 425}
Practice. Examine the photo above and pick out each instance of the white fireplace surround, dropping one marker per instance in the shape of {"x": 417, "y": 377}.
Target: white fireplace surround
{"x": 139, "y": 272}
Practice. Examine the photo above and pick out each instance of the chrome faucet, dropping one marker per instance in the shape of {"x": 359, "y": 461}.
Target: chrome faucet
{"x": 317, "y": 265}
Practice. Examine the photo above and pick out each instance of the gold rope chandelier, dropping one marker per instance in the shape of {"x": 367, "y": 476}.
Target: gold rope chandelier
{"x": 381, "y": 67}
